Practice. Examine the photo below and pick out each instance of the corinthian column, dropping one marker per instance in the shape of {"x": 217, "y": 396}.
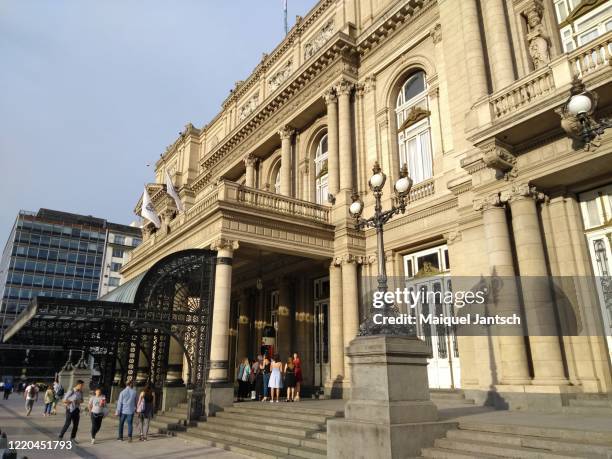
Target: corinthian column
{"x": 345, "y": 135}
{"x": 333, "y": 180}
{"x": 498, "y": 43}
{"x": 514, "y": 366}
{"x": 285, "y": 134}
{"x": 539, "y": 306}
{"x": 219, "y": 343}
{"x": 474, "y": 55}
{"x": 250, "y": 161}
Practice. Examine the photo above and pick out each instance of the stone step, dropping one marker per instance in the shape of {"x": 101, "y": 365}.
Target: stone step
{"x": 252, "y": 447}
{"x": 258, "y": 418}
{"x": 585, "y": 436}
{"x": 453, "y": 402}
{"x": 524, "y": 441}
{"x": 155, "y": 425}
{"x": 262, "y": 425}
{"x": 446, "y": 394}
{"x": 589, "y": 410}
{"x": 494, "y": 449}
{"x": 172, "y": 423}
{"x": 281, "y": 414}
{"x": 587, "y": 402}
{"x": 594, "y": 396}
{"x": 177, "y": 416}
{"x": 442, "y": 453}
{"x": 300, "y": 408}
{"x": 258, "y": 434}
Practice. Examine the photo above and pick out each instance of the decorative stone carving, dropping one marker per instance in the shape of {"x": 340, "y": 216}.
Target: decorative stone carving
{"x": 415, "y": 115}
{"x": 537, "y": 37}
{"x": 249, "y": 106}
{"x": 492, "y": 200}
{"x": 453, "y": 237}
{"x": 280, "y": 76}
{"x": 286, "y": 132}
{"x": 330, "y": 96}
{"x": 317, "y": 42}
{"x": 436, "y": 33}
{"x": 369, "y": 84}
{"x": 498, "y": 155}
{"x": 521, "y": 191}
{"x": 222, "y": 243}
{"x": 344, "y": 88}
{"x": 250, "y": 160}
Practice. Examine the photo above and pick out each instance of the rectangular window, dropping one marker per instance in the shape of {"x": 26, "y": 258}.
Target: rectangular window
{"x": 117, "y": 252}
{"x": 115, "y": 266}
{"x": 119, "y": 239}
{"x": 113, "y": 281}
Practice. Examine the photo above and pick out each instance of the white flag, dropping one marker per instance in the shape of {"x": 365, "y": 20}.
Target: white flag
{"x": 148, "y": 210}
{"x": 172, "y": 192}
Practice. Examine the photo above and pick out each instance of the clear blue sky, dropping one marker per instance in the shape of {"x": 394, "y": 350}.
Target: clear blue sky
{"x": 91, "y": 91}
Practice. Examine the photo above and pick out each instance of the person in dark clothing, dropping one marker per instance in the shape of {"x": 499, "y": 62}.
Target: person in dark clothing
{"x": 72, "y": 401}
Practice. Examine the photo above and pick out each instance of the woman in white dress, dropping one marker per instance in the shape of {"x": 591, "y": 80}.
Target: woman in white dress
{"x": 275, "y": 378}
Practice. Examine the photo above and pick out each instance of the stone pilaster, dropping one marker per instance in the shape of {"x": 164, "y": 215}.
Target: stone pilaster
{"x": 539, "y": 307}
{"x": 219, "y": 351}
{"x": 345, "y": 134}
{"x": 333, "y": 177}
{"x": 286, "y": 134}
{"x": 250, "y": 161}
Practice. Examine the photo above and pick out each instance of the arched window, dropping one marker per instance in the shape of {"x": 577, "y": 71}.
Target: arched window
{"x": 321, "y": 171}
{"x": 413, "y": 127}
{"x": 277, "y": 181}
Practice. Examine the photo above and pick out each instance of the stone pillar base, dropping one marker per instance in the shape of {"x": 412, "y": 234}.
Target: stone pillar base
{"x": 389, "y": 414}
{"x": 337, "y": 389}
{"x": 218, "y": 396}
{"x": 172, "y": 396}
{"x": 114, "y": 394}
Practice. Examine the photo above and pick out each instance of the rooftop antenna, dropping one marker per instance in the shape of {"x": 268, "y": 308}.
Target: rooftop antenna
{"x": 285, "y": 14}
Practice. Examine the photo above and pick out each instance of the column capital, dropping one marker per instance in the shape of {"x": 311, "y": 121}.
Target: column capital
{"x": 344, "y": 88}
{"x": 286, "y": 132}
{"x": 498, "y": 155}
{"x": 250, "y": 160}
{"x": 492, "y": 201}
{"x": 330, "y": 96}
{"x": 522, "y": 192}
{"x": 224, "y": 244}
{"x": 350, "y": 258}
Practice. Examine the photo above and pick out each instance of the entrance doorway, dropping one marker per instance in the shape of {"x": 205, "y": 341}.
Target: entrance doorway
{"x": 321, "y": 331}
{"x": 429, "y": 271}
{"x": 596, "y": 207}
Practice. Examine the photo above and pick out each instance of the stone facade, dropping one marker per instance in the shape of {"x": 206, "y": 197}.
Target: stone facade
{"x": 498, "y": 182}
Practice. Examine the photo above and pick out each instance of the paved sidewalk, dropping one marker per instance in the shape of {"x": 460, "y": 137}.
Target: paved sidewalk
{"x": 37, "y": 427}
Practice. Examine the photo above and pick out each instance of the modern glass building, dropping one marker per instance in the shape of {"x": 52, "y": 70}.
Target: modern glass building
{"x": 58, "y": 254}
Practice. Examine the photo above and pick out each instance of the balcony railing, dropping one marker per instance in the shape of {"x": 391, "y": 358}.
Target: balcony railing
{"x": 265, "y": 200}
{"x": 421, "y": 190}
{"x": 523, "y": 92}
{"x": 592, "y": 56}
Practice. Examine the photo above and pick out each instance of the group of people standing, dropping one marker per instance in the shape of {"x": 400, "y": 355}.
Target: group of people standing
{"x": 265, "y": 377}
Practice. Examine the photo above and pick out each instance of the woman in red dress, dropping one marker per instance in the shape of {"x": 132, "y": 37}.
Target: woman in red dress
{"x": 297, "y": 363}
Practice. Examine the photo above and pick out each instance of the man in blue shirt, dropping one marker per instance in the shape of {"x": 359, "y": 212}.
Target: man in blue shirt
{"x": 126, "y": 406}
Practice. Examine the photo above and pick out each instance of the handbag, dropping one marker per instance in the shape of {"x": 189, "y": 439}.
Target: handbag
{"x": 141, "y": 405}
{"x": 105, "y": 411}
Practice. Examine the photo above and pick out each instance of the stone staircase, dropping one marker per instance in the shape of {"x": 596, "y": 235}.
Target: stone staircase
{"x": 590, "y": 404}
{"x": 264, "y": 430}
{"x": 486, "y": 440}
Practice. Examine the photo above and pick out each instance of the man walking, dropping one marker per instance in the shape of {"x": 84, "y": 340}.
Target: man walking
{"x": 8, "y": 388}
{"x": 72, "y": 401}
{"x": 126, "y": 406}
{"x": 31, "y": 395}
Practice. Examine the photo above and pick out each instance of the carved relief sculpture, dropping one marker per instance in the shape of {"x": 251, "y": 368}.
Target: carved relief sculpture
{"x": 281, "y": 76}
{"x": 317, "y": 42}
{"x": 537, "y": 38}
{"x": 249, "y": 106}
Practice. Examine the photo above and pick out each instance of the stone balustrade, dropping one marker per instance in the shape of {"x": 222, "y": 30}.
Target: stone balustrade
{"x": 593, "y": 56}
{"x": 523, "y": 92}
{"x": 421, "y": 190}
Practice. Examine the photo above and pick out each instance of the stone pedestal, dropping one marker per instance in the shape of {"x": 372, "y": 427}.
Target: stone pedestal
{"x": 172, "y": 396}
{"x": 218, "y": 397}
{"x": 389, "y": 414}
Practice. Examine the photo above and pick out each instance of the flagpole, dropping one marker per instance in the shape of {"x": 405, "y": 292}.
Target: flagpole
{"x": 285, "y": 12}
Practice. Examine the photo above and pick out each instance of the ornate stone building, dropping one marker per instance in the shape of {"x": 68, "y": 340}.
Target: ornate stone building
{"x": 467, "y": 94}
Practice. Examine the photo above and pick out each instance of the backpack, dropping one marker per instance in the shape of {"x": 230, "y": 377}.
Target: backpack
{"x": 60, "y": 391}
{"x": 30, "y": 392}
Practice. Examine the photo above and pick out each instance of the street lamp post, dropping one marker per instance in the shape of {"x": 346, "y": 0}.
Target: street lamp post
{"x": 377, "y": 221}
